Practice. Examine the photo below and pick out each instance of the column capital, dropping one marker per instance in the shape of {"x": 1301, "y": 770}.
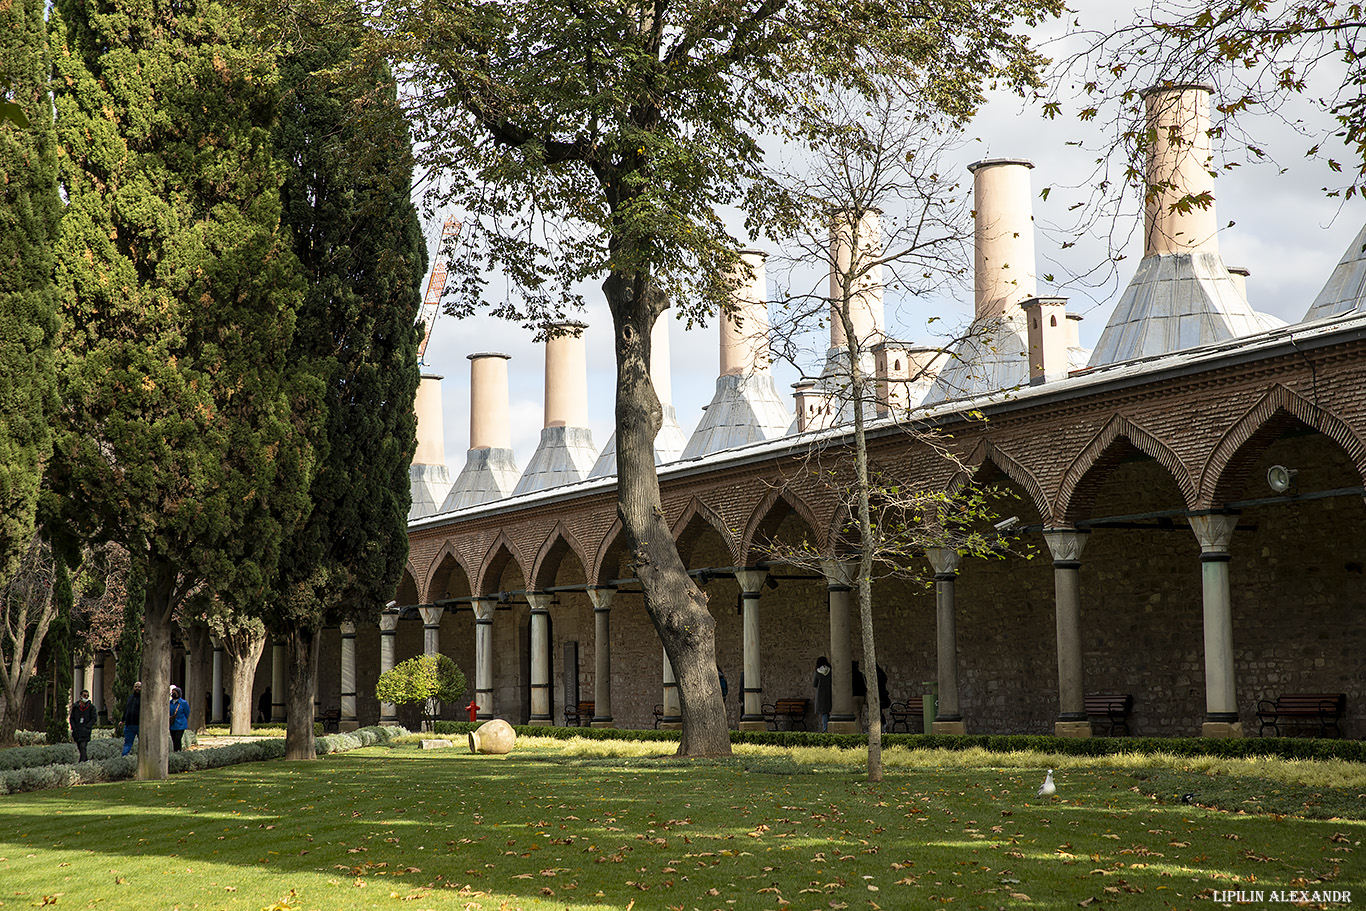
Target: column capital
{"x": 431, "y": 616}
{"x": 839, "y": 573}
{"x": 1066, "y": 544}
{"x": 388, "y": 621}
{"x": 216, "y": 640}
{"x": 1214, "y": 532}
{"x": 944, "y": 560}
{"x": 601, "y": 596}
{"x": 751, "y": 580}
{"x": 539, "y": 601}
{"x": 348, "y": 628}
{"x": 483, "y": 609}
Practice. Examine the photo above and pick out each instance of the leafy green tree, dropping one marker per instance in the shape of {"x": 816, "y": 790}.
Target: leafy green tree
{"x": 428, "y": 679}
{"x": 603, "y": 142}
{"x": 185, "y": 426}
{"x": 59, "y": 655}
{"x": 347, "y": 199}
{"x": 29, "y": 213}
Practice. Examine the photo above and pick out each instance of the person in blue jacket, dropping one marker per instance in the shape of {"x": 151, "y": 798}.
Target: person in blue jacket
{"x": 180, "y": 718}
{"x": 132, "y": 717}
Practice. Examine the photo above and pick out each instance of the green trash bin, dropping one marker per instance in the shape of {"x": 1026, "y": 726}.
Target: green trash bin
{"x": 930, "y": 707}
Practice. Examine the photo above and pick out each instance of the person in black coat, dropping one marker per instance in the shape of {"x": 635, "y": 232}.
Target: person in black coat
{"x": 132, "y": 717}
{"x": 82, "y": 722}
{"x": 821, "y": 681}
{"x": 884, "y": 698}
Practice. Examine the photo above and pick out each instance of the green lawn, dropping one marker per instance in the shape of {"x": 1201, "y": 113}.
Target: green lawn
{"x": 559, "y": 825}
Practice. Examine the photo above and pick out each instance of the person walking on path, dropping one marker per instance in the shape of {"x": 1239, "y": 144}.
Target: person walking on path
{"x": 82, "y": 723}
{"x": 132, "y": 716}
{"x": 180, "y": 718}
{"x": 821, "y": 681}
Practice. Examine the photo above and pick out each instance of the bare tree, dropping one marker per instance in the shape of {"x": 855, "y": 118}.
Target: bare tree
{"x": 28, "y": 608}
{"x": 884, "y": 216}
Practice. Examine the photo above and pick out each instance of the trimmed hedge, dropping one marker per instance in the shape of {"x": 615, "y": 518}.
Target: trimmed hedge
{"x": 1245, "y": 747}
{"x": 119, "y": 768}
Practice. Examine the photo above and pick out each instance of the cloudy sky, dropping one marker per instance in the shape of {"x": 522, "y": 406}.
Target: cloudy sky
{"x": 1286, "y": 231}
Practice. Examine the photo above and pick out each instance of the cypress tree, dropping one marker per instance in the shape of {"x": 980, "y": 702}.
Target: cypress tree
{"x": 29, "y": 211}
{"x": 347, "y": 201}
{"x": 186, "y": 426}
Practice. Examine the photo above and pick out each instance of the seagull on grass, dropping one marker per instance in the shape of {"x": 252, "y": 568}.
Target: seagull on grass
{"x": 1047, "y": 789}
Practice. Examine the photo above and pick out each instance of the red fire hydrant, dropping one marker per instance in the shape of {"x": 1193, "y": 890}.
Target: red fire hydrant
{"x": 473, "y": 710}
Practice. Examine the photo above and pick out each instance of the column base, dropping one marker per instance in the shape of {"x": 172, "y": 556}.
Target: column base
{"x": 671, "y": 725}
{"x": 541, "y": 722}
{"x": 1077, "y": 730}
{"x": 948, "y": 727}
{"x": 1221, "y": 729}
{"x": 759, "y": 725}
{"x": 347, "y": 726}
{"x": 605, "y": 724}
{"x": 844, "y": 727}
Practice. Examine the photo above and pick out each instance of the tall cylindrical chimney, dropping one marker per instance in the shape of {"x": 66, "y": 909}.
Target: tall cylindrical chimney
{"x": 489, "y": 401}
{"x": 847, "y": 233}
{"x": 566, "y": 376}
{"x": 431, "y": 444}
{"x": 1003, "y": 255}
{"x": 744, "y": 330}
{"x": 659, "y": 359}
{"x": 1177, "y": 117}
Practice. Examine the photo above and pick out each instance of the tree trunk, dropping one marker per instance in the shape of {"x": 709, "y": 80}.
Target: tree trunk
{"x": 245, "y": 648}
{"x": 154, "y": 724}
{"x": 9, "y": 719}
{"x": 676, "y": 606}
{"x": 197, "y": 684}
{"x": 303, "y": 684}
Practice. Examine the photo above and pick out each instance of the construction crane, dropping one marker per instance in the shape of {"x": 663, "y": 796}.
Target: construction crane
{"x": 431, "y": 304}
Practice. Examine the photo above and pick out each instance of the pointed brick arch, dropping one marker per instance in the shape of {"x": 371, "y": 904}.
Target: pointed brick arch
{"x": 1080, "y": 477}
{"x": 1249, "y": 436}
{"x": 559, "y": 542}
{"x": 407, "y": 592}
{"x": 501, "y": 552}
{"x": 438, "y": 577}
{"x": 986, "y": 451}
{"x": 769, "y": 514}
{"x": 612, "y": 543}
{"x": 695, "y": 517}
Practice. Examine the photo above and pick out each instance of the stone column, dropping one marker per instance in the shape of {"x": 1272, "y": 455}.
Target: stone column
{"x": 1066, "y": 546}
{"x": 216, "y": 683}
{"x": 1221, "y": 695}
{"x": 431, "y": 629}
{"x": 348, "y": 720}
{"x": 839, "y": 578}
{"x": 77, "y": 681}
{"x": 483, "y": 656}
{"x": 751, "y": 581}
{"x": 540, "y": 657}
{"x": 388, "y": 629}
{"x": 278, "y": 681}
{"x": 948, "y": 718}
{"x": 185, "y": 690}
{"x": 602, "y": 656}
{"x": 97, "y": 688}
{"x": 673, "y": 712}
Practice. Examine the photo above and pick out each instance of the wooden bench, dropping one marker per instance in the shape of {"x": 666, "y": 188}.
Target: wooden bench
{"x": 904, "y": 714}
{"x": 331, "y": 720}
{"x": 791, "y": 712}
{"x": 579, "y": 716}
{"x": 1303, "y": 709}
{"x": 1110, "y": 709}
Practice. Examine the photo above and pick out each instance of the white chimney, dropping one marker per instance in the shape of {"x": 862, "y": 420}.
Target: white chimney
{"x": 431, "y": 433}
{"x": 1003, "y": 254}
{"x": 566, "y": 376}
{"x": 489, "y": 401}
{"x": 1178, "y": 172}
{"x": 855, "y": 243}
{"x": 744, "y": 329}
